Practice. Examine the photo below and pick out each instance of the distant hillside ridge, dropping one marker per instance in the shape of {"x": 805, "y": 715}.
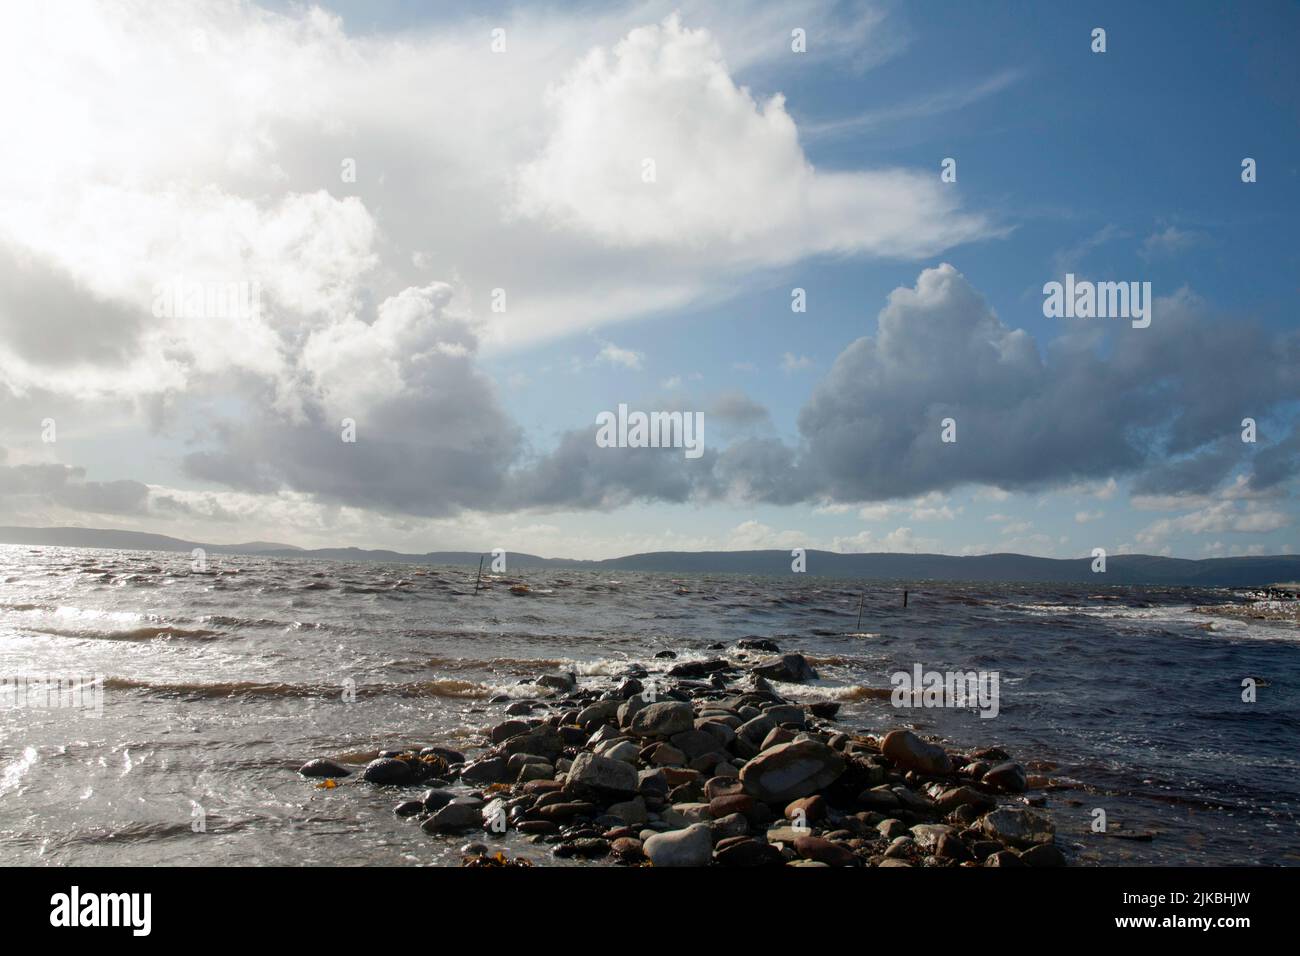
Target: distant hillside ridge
{"x": 879, "y": 566}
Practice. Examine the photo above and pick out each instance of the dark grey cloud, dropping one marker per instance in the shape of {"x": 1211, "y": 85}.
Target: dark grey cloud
{"x": 1162, "y": 404}
{"x": 1277, "y": 462}
{"x": 65, "y": 486}
{"x": 737, "y": 410}
{"x": 431, "y": 435}
{"x": 1099, "y": 402}
{"x": 578, "y": 473}
{"x": 50, "y": 320}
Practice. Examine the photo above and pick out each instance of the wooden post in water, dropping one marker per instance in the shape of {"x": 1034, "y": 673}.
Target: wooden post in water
{"x": 860, "y": 600}
{"x": 480, "y": 573}
{"x": 904, "y": 597}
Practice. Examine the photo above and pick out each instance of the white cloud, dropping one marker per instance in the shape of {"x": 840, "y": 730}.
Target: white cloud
{"x": 754, "y": 535}
{"x": 1217, "y": 518}
{"x": 654, "y": 144}
{"x": 900, "y": 539}
{"x": 1169, "y": 242}
{"x": 209, "y": 140}
{"x": 611, "y": 354}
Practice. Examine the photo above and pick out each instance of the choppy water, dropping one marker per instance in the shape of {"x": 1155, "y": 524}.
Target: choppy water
{"x": 218, "y": 686}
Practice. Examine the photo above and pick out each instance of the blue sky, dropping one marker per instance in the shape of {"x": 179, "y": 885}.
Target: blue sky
{"x": 1123, "y": 166}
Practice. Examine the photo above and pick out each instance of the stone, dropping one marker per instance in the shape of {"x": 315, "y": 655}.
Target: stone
{"x": 911, "y": 800}
{"x": 518, "y": 761}
{"x": 722, "y": 733}
{"x": 320, "y": 767}
{"x": 786, "y": 834}
{"x": 892, "y": 829}
{"x": 758, "y": 644}
{"x": 446, "y": 753}
{"x": 572, "y": 735}
{"x": 520, "y": 707}
{"x": 788, "y": 771}
{"x": 601, "y": 712}
{"x": 697, "y": 668}
{"x": 927, "y": 835}
{"x": 955, "y": 797}
{"x": 950, "y": 847}
{"x": 777, "y": 735}
{"x": 606, "y": 734}
{"x": 486, "y": 771}
{"x": 791, "y": 668}
{"x": 731, "y": 803}
{"x": 666, "y": 755}
{"x": 632, "y": 812}
{"x": 663, "y": 719}
{"x": 879, "y": 798}
{"x": 628, "y": 849}
{"x": 583, "y": 847}
{"x": 809, "y": 809}
{"x": 756, "y": 730}
{"x": 544, "y": 741}
{"x": 534, "y": 827}
{"x": 542, "y": 786}
{"x": 1003, "y": 858}
{"x": 729, "y": 825}
{"x": 684, "y": 814}
{"x": 785, "y": 713}
{"x": 910, "y": 752}
{"x": 745, "y": 851}
{"x": 630, "y": 708}
{"x": 566, "y": 810}
{"x": 389, "y": 772}
{"x": 435, "y": 800}
{"x": 623, "y": 750}
{"x": 824, "y": 851}
{"x": 563, "y": 682}
{"x": 507, "y": 729}
{"x": 461, "y": 814}
{"x": 707, "y": 762}
{"x": 696, "y": 743}
{"x": 409, "y": 808}
{"x": 1018, "y": 827}
{"x": 692, "y": 846}
{"x": 723, "y": 786}
{"x": 601, "y": 775}
{"x": 535, "y": 771}
{"x": 1042, "y": 854}
{"x": 1008, "y": 776}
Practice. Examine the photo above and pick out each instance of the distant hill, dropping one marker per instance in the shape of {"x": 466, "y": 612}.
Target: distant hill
{"x": 131, "y": 541}
{"x": 888, "y": 566}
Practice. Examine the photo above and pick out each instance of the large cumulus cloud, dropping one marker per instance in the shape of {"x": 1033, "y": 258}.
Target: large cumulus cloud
{"x": 1163, "y": 402}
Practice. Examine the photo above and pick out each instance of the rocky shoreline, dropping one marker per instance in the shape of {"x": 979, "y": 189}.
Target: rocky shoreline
{"x": 706, "y": 764}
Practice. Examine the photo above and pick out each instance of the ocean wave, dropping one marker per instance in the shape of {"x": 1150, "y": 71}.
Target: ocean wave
{"x": 147, "y": 632}
{"x": 218, "y": 690}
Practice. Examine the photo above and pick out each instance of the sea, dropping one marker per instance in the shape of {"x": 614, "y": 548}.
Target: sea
{"x": 187, "y": 697}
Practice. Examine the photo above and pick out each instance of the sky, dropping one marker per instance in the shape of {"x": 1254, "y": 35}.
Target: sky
{"x": 369, "y": 274}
